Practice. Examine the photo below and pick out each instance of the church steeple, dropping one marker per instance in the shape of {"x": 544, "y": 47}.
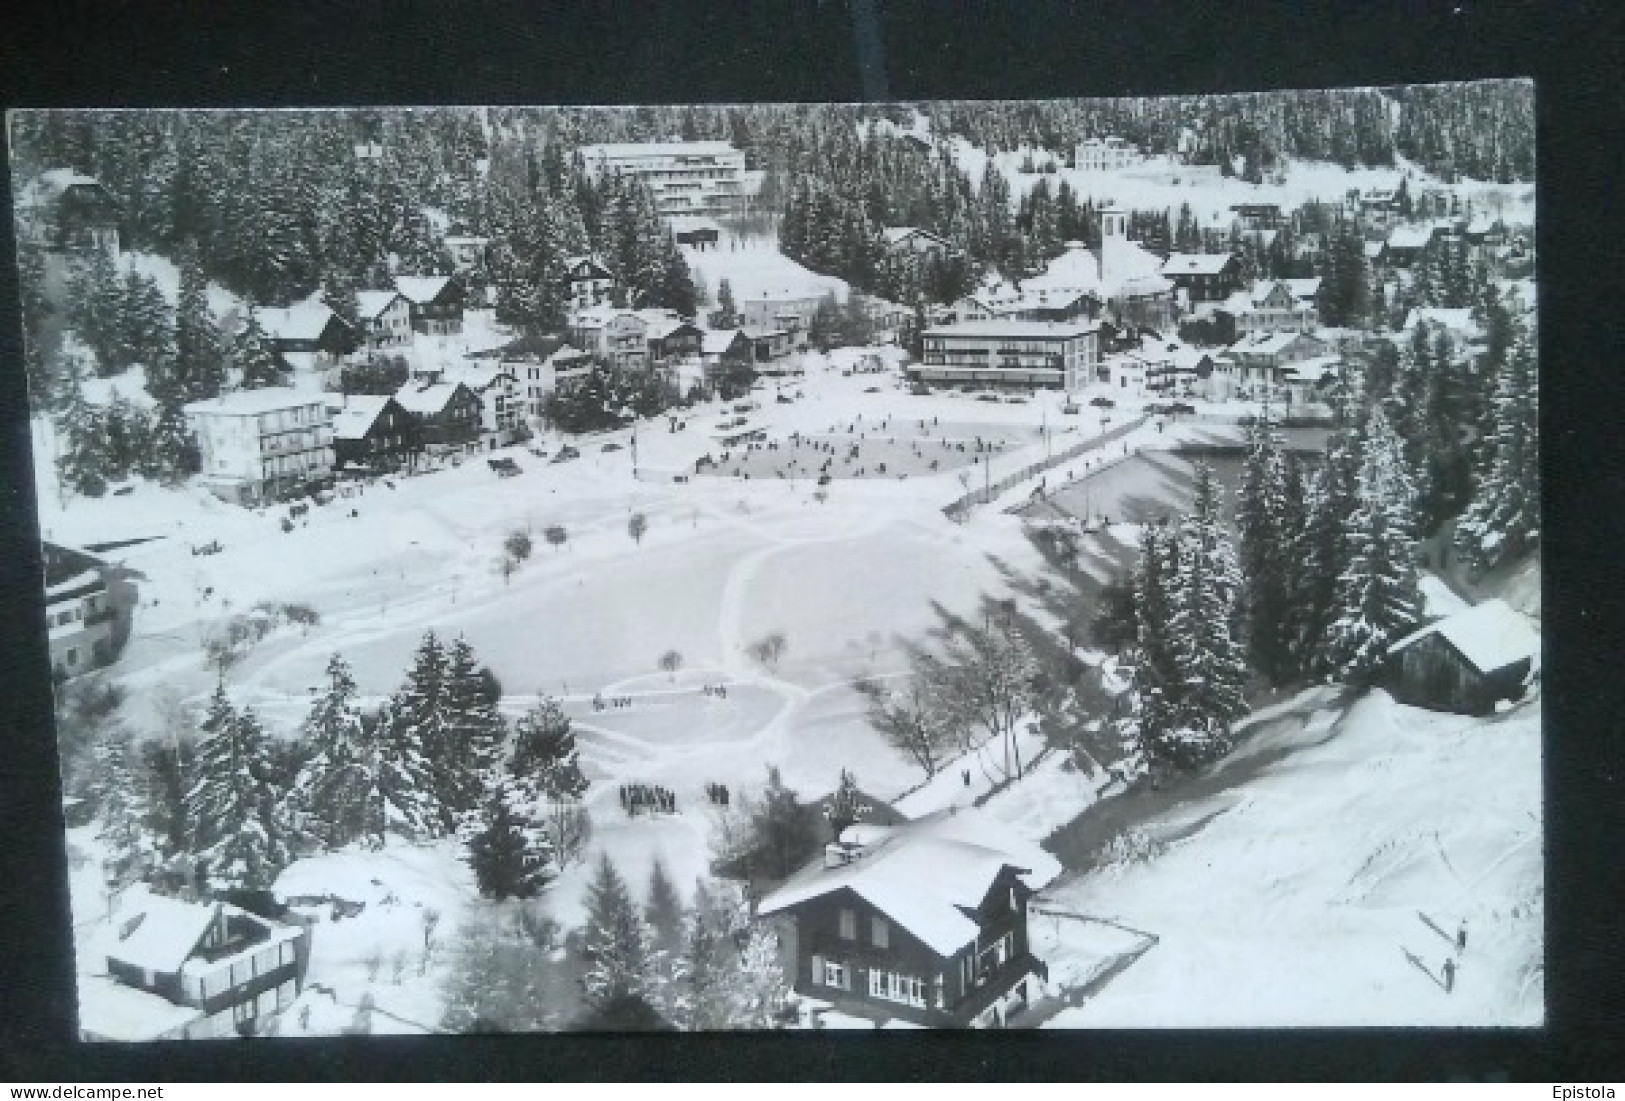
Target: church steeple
{"x": 1113, "y": 242}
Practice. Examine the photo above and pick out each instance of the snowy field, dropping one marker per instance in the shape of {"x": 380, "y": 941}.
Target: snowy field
{"x": 1325, "y": 887}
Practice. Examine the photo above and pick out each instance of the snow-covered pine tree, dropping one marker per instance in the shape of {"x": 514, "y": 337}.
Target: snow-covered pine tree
{"x": 474, "y": 734}
{"x": 1160, "y": 657}
{"x": 760, "y": 992}
{"x": 620, "y": 956}
{"x": 81, "y": 461}
{"x": 199, "y": 365}
{"x": 1294, "y": 526}
{"x": 401, "y": 798}
{"x": 171, "y": 453}
{"x": 846, "y": 804}
{"x": 130, "y": 850}
{"x": 1264, "y": 536}
{"x": 1502, "y": 522}
{"x": 545, "y": 754}
{"x": 331, "y": 791}
{"x": 726, "y": 315}
{"x": 339, "y": 294}
{"x": 96, "y": 311}
{"x": 1215, "y": 668}
{"x": 148, "y": 325}
{"x": 1322, "y": 552}
{"x": 419, "y": 708}
{"x": 1377, "y": 595}
{"x": 664, "y": 911}
{"x": 232, "y": 808}
{"x": 511, "y": 854}
{"x": 252, "y": 353}
{"x": 704, "y": 970}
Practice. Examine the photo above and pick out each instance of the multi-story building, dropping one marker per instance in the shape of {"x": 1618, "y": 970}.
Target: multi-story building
{"x": 434, "y": 301}
{"x": 446, "y": 415}
{"x": 588, "y": 282}
{"x": 900, "y": 923}
{"x": 686, "y": 177}
{"x": 80, "y": 613}
{"x": 1204, "y": 277}
{"x": 501, "y": 408}
{"x": 1275, "y": 306}
{"x": 791, "y": 311}
{"x": 310, "y": 339}
{"x": 191, "y": 970}
{"x": 258, "y": 446}
{"x": 1106, "y": 154}
{"x": 386, "y": 319}
{"x": 1048, "y": 354}
{"x": 67, "y": 211}
{"x": 371, "y": 432}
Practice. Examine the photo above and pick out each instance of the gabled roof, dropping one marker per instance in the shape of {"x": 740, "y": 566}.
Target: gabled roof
{"x": 354, "y": 414}
{"x": 306, "y": 321}
{"x": 896, "y": 235}
{"x": 1196, "y": 263}
{"x": 1490, "y": 636}
{"x": 426, "y": 399}
{"x": 1267, "y": 343}
{"x": 370, "y": 304}
{"x": 1410, "y": 236}
{"x": 65, "y": 564}
{"x": 421, "y": 289}
{"x": 1303, "y": 288}
{"x": 573, "y": 262}
{"x": 157, "y": 933}
{"x": 713, "y": 342}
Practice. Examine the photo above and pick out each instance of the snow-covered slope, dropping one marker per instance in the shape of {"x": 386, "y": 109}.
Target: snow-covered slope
{"x": 1326, "y": 887}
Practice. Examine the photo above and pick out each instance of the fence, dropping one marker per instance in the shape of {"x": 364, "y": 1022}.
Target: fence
{"x": 1032, "y": 470}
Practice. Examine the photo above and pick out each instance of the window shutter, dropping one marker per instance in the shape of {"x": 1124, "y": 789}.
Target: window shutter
{"x": 818, "y": 970}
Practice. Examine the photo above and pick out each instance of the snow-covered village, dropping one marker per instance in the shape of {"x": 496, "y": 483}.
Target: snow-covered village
{"x": 1055, "y": 564}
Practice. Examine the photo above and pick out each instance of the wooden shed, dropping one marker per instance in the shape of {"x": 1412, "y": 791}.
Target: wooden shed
{"x": 1465, "y": 662}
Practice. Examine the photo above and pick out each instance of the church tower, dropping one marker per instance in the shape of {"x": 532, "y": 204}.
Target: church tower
{"x": 1114, "y": 244}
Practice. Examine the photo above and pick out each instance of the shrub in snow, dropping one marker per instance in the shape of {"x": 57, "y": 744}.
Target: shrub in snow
{"x": 1129, "y": 848}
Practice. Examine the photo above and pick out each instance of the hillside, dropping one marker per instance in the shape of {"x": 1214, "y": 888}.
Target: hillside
{"x": 1332, "y": 848}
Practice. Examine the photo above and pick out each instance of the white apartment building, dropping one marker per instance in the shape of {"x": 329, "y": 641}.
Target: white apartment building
{"x": 687, "y": 177}
{"x": 1047, "y": 354}
{"x": 257, "y": 445}
{"x": 1106, "y": 154}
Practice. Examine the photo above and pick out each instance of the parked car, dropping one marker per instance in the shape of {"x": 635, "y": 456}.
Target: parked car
{"x": 1181, "y": 407}
{"x": 1101, "y": 401}
{"x": 611, "y": 446}
{"x": 785, "y": 399}
{"x": 566, "y": 453}
{"x": 1069, "y": 408}
{"x": 987, "y": 397}
{"x": 871, "y": 389}
{"x": 1016, "y": 399}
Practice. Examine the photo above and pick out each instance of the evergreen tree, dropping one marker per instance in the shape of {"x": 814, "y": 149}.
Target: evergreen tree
{"x": 664, "y": 911}
{"x": 331, "y": 791}
{"x": 421, "y": 711}
{"x": 545, "y": 754}
{"x": 1264, "y": 536}
{"x": 39, "y": 339}
{"x": 1203, "y": 620}
{"x": 81, "y": 462}
{"x": 236, "y": 832}
{"x": 473, "y": 734}
{"x": 620, "y": 957}
{"x": 511, "y": 854}
{"x": 252, "y": 353}
{"x": 148, "y": 325}
{"x": 1502, "y": 521}
{"x": 400, "y": 799}
{"x": 171, "y": 453}
{"x": 704, "y": 972}
{"x": 199, "y": 365}
{"x": 96, "y": 312}
{"x": 726, "y": 315}
{"x": 1377, "y": 594}
{"x": 761, "y": 992}
{"x": 1159, "y": 659}
{"x": 846, "y": 805}
{"x": 339, "y": 295}
{"x": 1323, "y": 551}
{"x": 121, "y": 812}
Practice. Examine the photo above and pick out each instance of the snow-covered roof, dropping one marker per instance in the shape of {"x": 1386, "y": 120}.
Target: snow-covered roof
{"x": 1312, "y": 370}
{"x": 373, "y": 303}
{"x": 420, "y": 398}
{"x": 1372, "y": 249}
{"x": 690, "y": 223}
{"x": 924, "y": 874}
{"x": 573, "y": 262}
{"x": 1266, "y": 343}
{"x": 130, "y": 385}
{"x": 656, "y": 149}
{"x": 1195, "y": 263}
{"x": 109, "y": 1010}
{"x": 896, "y": 235}
{"x": 353, "y": 419}
{"x": 1303, "y": 288}
{"x": 1490, "y": 636}
{"x": 713, "y": 342}
{"x": 662, "y": 327}
{"x": 1006, "y": 327}
{"x": 306, "y": 321}
{"x": 477, "y": 377}
{"x": 1410, "y": 236}
{"x": 1455, "y": 319}
{"x": 924, "y": 884}
{"x": 419, "y": 289}
{"x": 248, "y": 403}
{"x": 157, "y": 933}
{"x": 464, "y": 239}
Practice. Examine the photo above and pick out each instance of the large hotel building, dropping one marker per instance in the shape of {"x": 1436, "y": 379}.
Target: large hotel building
{"x": 687, "y": 177}
{"x": 1048, "y": 354}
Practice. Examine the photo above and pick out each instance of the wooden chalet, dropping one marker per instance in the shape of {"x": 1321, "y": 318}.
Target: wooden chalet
{"x": 909, "y": 923}
{"x": 372, "y": 432}
{"x": 306, "y": 337}
{"x": 588, "y": 282}
{"x": 67, "y": 211}
{"x": 191, "y": 970}
{"x": 435, "y": 302}
{"x": 1204, "y": 277}
{"x": 1466, "y": 662}
{"x": 446, "y": 414}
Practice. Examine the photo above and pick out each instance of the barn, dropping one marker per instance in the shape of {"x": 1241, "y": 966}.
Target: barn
{"x": 1465, "y": 662}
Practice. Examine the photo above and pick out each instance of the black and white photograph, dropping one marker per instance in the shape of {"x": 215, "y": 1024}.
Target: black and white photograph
{"x": 998, "y": 564}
